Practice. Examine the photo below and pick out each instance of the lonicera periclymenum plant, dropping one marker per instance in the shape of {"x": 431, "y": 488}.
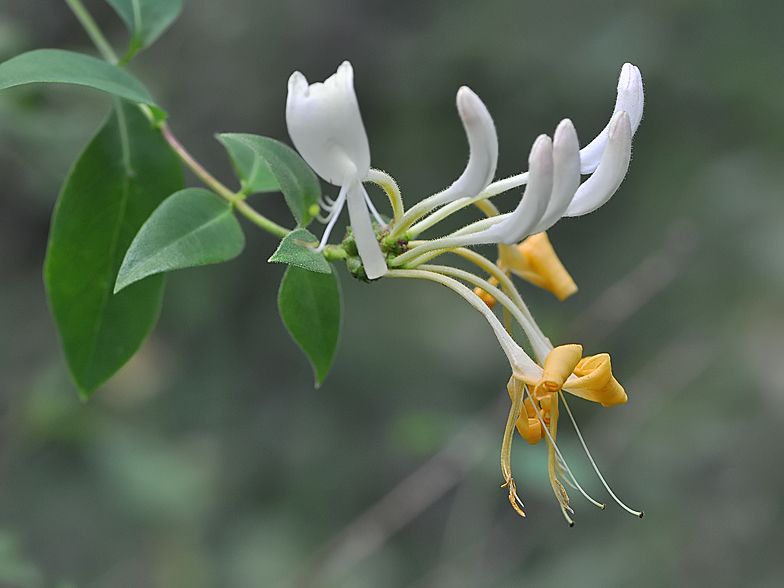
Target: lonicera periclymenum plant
{"x": 124, "y": 218}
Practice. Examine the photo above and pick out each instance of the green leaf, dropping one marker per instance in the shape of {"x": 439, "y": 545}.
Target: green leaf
{"x": 190, "y": 228}
{"x": 121, "y": 177}
{"x": 296, "y": 180}
{"x": 146, "y": 19}
{"x": 253, "y": 172}
{"x": 309, "y": 304}
{"x": 293, "y": 251}
{"x": 67, "y": 67}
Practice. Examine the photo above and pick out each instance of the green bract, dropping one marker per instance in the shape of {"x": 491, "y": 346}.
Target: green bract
{"x": 293, "y": 250}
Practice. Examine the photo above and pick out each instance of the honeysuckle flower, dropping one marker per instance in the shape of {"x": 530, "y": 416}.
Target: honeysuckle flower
{"x": 553, "y": 187}
{"x": 535, "y": 261}
{"x": 558, "y": 369}
{"x": 609, "y": 174}
{"x": 537, "y": 416}
{"x": 326, "y": 127}
{"x": 553, "y": 179}
{"x": 482, "y": 148}
{"x": 630, "y": 99}
{"x": 553, "y": 190}
{"x": 565, "y": 368}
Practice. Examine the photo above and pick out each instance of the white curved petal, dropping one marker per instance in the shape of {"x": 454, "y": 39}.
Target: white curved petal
{"x": 482, "y": 145}
{"x": 612, "y": 168}
{"x": 566, "y": 174}
{"x": 532, "y": 205}
{"x": 631, "y": 100}
{"x": 364, "y": 235}
{"x": 326, "y": 127}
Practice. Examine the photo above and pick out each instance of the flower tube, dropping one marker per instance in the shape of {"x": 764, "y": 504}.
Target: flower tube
{"x": 482, "y": 146}
{"x": 326, "y": 127}
{"x": 631, "y": 100}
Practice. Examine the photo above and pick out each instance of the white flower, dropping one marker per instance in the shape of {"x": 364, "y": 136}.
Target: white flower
{"x": 553, "y": 181}
{"x": 326, "y": 127}
{"x": 482, "y": 146}
{"x": 553, "y": 178}
{"x": 631, "y": 100}
{"x": 610, "y": 171}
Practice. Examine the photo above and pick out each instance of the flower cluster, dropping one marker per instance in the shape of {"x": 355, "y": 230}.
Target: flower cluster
{"x": 326, "y": 127}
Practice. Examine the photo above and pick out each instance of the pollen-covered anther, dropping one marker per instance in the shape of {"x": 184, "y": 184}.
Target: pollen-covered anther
{"x": 514, "y": 499}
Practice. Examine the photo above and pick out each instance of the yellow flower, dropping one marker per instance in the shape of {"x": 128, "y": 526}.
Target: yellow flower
{"x": 533, "y": 260}
{"x": 536, "y": 416}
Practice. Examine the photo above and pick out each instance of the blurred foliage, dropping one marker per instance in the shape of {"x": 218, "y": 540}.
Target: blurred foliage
{"x": 211, "y": 461}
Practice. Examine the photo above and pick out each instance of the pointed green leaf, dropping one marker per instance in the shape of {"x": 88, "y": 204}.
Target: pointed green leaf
{"x": 67, "y": 67}
{"x": 190, "y": 228}
{"x": 293, "y": 250}
{"x": 309, "y": 304}
{"x": 253, "y": 172}
{"x": 146, "y": 19}
{"x": 299, "y": 184}
{"x": 121, "y": 177}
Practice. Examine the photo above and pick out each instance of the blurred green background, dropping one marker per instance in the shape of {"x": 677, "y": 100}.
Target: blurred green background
{"x": 210, "y": 460}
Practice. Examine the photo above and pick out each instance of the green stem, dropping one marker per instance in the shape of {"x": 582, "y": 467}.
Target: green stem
{"x": 235, "y": 199}
{"x": 195, "y": 166}
{"x": 261, "y": 220}
{"x": 92, "y": 29}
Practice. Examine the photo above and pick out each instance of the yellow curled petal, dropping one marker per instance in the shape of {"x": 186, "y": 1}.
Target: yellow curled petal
{"x": 544, "y": 263}
{"x": 595, "y": 381}
{"x": 558, "y": 366}
{"x": 534, "y": 432}
{"x": 510, "y": 258}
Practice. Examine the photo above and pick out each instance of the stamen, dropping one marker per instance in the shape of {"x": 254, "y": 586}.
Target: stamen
{"x": 638, "y": 513}
{"x": 562, "y": 461}
{"x": 549, "y": 437}
{"x": 519, "y": 391}
{"x": 514, "y": 499}
{"x": 372, "y": 208}
{"x": 332, "y": 217}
